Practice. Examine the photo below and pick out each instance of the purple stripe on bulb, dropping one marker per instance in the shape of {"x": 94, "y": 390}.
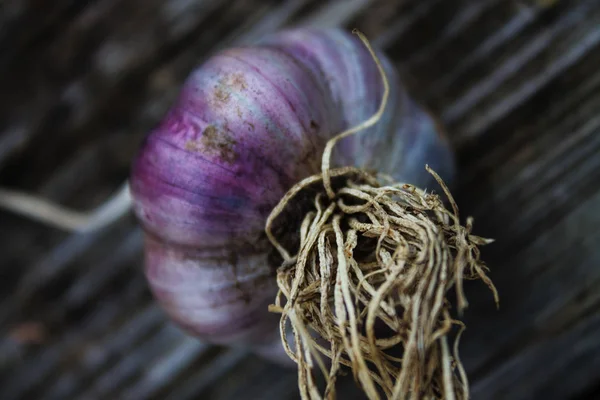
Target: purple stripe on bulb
{"x": 220, "y": 300}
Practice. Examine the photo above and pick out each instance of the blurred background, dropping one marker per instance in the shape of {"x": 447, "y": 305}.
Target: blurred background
{"x": 82, "y": 81}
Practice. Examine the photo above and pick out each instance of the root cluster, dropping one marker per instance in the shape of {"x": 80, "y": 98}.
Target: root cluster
{"x": 367, "y": 287}
{"x": 366, "y": 283}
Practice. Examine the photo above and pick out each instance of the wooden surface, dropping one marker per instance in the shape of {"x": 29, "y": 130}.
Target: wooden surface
{"x": 515, "y": 82}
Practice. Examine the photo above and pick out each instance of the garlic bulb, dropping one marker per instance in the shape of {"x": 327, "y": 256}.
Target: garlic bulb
{"x": 249, "y": 124}
{"x": 252, "y": 205}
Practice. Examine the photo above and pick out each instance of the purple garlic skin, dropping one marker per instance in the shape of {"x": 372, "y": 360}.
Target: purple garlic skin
{"x": 249, "y": 124}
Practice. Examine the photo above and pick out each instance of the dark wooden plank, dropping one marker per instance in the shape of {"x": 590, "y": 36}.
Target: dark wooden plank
{"x": 516, "y": 82}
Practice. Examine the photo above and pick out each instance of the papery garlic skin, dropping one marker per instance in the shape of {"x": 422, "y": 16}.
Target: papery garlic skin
{"x": 249, "y": 124}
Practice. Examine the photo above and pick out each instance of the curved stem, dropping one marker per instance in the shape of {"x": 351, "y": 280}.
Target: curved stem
{"x": 326, "y": 160}
{"x": 55, "y": 215}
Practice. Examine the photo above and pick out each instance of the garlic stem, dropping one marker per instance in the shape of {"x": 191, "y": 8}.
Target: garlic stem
{"x": 42, "y": 210}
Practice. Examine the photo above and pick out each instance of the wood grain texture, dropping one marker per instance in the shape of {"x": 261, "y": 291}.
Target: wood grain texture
{"x": 515, "y": 82}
